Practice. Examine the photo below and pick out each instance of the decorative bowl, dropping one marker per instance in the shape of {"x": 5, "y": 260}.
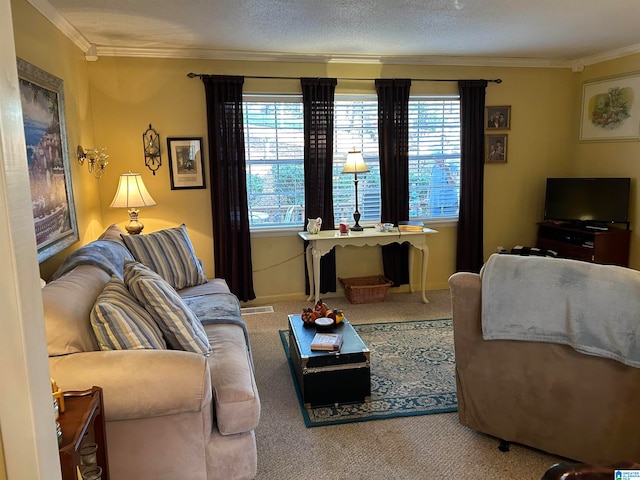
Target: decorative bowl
{"x": 324, "y": 323}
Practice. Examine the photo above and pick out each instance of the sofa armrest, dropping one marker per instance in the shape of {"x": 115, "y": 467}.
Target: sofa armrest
{"x": 466, "y": 308}
{"x": 138, "y": 383}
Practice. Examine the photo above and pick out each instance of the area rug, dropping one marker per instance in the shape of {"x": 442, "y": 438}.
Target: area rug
{"x": 412, "y": 373}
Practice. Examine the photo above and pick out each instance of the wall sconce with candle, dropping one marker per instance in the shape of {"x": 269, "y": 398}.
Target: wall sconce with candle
{"x": 96, "y": 158}
{"x": 151, "y": 145}
{"x": 131, "y": 194}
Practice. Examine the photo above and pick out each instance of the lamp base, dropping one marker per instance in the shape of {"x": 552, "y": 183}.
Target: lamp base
{"x": 134, "y": 227}
{"x": 356, "y": 217}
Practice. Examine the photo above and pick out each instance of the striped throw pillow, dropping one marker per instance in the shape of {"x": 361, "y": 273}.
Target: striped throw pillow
{"x": 180, "y": 326}
{"x": 169, "y": 253}
{"x": 121, "y": 323}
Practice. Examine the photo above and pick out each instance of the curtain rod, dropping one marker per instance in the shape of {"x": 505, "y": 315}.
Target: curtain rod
{"x": 200, "y": 75}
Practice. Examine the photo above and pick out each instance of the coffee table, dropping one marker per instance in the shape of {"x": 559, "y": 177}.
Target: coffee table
{"x": 328, "y": 378}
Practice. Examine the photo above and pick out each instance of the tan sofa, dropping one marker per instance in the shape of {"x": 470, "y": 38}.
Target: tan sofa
{"x": 170, "y": 414}
{"x": 545, "y": 395}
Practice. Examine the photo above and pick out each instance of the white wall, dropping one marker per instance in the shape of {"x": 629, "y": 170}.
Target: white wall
{"x": 26, "y": 410}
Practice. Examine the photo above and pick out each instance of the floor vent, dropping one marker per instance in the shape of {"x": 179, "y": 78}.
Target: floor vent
{"x": 255, "y": 310}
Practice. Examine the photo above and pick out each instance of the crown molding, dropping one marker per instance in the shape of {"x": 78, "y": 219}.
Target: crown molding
{"x": 610, "y": 55}
{"x": 210, "y": 54}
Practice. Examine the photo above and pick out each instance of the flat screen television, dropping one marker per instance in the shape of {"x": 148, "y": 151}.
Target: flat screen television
{"x": 588, "y": 201}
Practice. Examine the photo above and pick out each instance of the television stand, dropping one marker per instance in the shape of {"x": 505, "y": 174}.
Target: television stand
{"x": 578, "y": 242}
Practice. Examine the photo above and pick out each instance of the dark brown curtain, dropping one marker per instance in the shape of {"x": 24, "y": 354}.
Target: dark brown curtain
{"x": 318, "y": 97}
{"x": 470, "y": 255}
{"x": 393, "y": 134}
{"x": 227, "y": 169}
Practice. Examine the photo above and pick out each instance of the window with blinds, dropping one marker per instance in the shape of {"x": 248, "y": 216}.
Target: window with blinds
{"x": 434, "y": 157}
{"x": 274, "y": 144}
{"x": 356, "y": 126}
{"x": 274, "y": 137}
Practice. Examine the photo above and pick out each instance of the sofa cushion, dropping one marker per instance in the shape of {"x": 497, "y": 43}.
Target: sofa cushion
{"x": 67, "y": 303}
{"x": 213, "y": 286}
{"x": 170, "y": 253}
{"x": 235, "y": 394}
{"x": 121, "y": 323}
{"x": 113, "y": 233}
{"x": 181, "y": 328}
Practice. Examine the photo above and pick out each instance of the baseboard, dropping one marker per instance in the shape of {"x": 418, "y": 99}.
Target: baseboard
{"x": 290, "y": 297}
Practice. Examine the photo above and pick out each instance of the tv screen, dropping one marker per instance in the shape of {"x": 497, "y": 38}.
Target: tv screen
{"x": 587, "y": 200}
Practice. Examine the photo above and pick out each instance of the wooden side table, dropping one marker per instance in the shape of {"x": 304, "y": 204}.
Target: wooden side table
{"x": 82, "y": 423}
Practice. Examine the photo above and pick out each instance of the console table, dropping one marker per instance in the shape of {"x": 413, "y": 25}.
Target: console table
{"x": 321, "y": 243}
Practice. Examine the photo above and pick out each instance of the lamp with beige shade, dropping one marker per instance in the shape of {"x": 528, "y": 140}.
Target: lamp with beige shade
{"x": 132, "y": 194}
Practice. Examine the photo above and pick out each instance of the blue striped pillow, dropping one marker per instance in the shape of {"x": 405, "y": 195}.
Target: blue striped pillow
{"x": 169, "y": 253}
{"x": 180, "y": 326}
{"x": 121, "y": 323}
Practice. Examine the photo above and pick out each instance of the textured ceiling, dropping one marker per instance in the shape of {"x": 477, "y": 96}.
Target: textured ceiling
{"x": 536, "y": 30}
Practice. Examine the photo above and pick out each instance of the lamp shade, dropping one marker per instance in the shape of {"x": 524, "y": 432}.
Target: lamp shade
{"x": 355, "y": 163}
{"x": 131, "y": 192}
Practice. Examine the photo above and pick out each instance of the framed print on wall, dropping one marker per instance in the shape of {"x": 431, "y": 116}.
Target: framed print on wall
{"x": 54, "y": 213}
{"x": 498, "y": 118}
{"x": 495, "y": 149}
{"x": 186, "y": 165}
{"x": 611, "y": 109}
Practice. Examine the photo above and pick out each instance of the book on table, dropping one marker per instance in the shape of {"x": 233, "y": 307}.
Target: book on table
{"x": 330, "y": 342}
{"x": 410, "y": 226}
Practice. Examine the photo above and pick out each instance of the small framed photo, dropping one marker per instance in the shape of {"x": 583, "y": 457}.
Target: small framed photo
{"x": 496, "y": 148}
{"x": 186, "y": 165}
{"x": 498, "y": 118}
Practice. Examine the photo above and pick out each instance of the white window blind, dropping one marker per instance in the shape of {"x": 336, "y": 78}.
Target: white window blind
{"x": 356, "y": 125}
{"x": 274, "y": 143}
{"x": 434, "y": 157}
{"x": 274, "y": 136}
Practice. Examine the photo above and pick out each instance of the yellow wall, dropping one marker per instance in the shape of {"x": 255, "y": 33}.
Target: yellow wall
{"x": 41, "y": 44}
{"x": 615, "y": 159}
{"x": 112, "y": 101}
{"x": 129, "y": 93}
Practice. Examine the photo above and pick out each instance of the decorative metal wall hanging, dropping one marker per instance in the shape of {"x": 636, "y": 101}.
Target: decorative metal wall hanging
{"x": 151, "y": 144}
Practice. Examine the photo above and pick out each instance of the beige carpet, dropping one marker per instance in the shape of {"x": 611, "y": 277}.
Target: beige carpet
{"x": 424, "y": 447}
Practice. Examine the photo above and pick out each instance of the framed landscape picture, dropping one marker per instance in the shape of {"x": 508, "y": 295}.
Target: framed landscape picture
{"x": 611, "y": 109}
{"x": 186, "y": 165}
{"x": 498, "y": 118}
{"x": 54, "y": 214}
{"x": 495, "y": 149}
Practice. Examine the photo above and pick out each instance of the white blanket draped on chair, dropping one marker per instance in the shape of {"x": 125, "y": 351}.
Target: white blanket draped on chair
{"x": 593, "y": 308}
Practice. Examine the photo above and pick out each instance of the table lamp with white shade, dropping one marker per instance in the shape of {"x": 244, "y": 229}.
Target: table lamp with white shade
{"x": 355, "y": 164}
{"x": 132, "y": 194}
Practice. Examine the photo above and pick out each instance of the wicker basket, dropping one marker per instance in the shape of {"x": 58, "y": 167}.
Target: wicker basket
{"x": 366, "y": 289}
